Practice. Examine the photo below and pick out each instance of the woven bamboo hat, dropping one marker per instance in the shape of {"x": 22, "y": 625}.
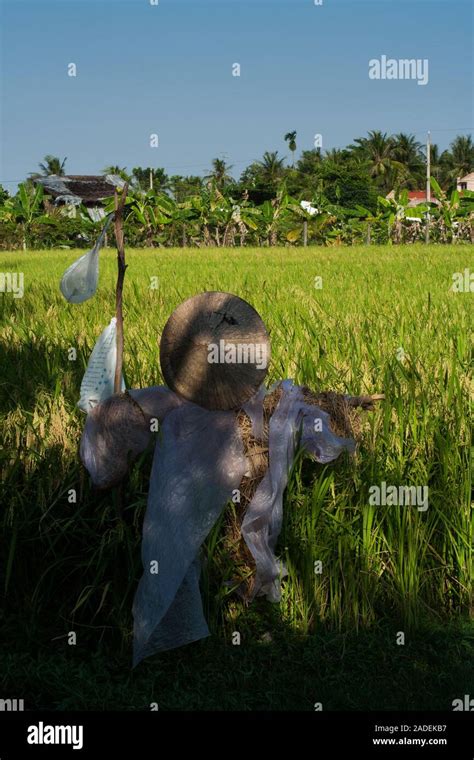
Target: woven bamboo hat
{"x": 215, "y": 350}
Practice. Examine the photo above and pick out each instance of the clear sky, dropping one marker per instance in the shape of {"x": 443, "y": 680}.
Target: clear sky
{"x": 167, "y": 69}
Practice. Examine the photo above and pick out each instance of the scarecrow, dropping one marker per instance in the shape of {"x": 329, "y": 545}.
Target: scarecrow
{"x": 223, "y": 436}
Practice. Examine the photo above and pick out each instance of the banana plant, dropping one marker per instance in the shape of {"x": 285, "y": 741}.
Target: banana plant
{"x": 272, "y": 214}
{"x": 447, "y": 211}
{"x": 25, "y": 211}
{"x": 230, "y": 218}
{"x": 321, "y": 225}
{"x": 305, "y": 217}
{"x": 246, "y": 217}
{"x": 154, "y": 211}
{"x": 465, "y": 215}
{"x": 405, "y": 215}
{"x": 199, "y": 213}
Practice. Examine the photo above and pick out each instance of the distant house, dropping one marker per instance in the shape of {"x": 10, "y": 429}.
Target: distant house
{"x": 75, "y": 189}
{"x": 466, "y": 183}
{"x": 415, "y": 197}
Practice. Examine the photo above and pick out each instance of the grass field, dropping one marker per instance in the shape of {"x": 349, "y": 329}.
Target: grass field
{"x": 384, "y": 320}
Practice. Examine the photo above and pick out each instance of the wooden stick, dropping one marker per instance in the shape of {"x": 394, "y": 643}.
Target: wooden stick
{"x": 122, "y": 266}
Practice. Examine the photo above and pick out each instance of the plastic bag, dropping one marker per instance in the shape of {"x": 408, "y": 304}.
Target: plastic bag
{"x": 98, "y": 381}
{"x": 292, "y": 419}
{"x": 311, "y": 210}
{"x": 115, "y": 433}
{"x": 79, "y": 281}
{"x": 119, "y": 428}
{"x": 199, "y": 461}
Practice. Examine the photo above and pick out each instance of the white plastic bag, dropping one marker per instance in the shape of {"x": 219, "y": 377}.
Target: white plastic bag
{"x": 306, "y": 205}
{"x": 98, "y": 381}
{"x": 79, "y": 281}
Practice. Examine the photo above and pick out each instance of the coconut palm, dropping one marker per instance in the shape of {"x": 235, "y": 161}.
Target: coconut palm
{"x": 185, "y": 187}
{"x": 309, "y": 161}
{"x": 406, "y": 149}
{"x": 219, "y": 174}
{"x": 459, "y": 160}
{"x": 378, "y": 151}
{"x": 271, "y": 168}
{"x": 290, "y": 138}
{"x": 336, "y": 155}
{"x": 408, "y": 152}
{"x": 50, "y": 165}
{"x": 436, "y": 167}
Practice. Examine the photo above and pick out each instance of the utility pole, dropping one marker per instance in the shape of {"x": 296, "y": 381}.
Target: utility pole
{"x": 428, "y": 185}
{"x": 151, "y": 179}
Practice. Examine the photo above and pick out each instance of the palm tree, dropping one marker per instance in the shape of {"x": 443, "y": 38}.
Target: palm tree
{"x": 309, "y": 161}
{"x": 290, "y": 138}
{"x": 459, "y": 160}
{"x": 378, "y": 150}
{"x": 51, "y": 165}
{"x": 271, "y": 168}
{"x": 408, "y": 152}
{"x": 185, "y": 187}
{"x": 336, "y": 156}
{"x": 219, "y": 173}
{"x": 436, "y": 167}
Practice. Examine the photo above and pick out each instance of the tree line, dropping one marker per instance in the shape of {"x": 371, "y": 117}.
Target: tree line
{"x": 344, "y": 189}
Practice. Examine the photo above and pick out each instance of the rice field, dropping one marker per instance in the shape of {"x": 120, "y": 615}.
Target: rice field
{"x": 355, "y": 320}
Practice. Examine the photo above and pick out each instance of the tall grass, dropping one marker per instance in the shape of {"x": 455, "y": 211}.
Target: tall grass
{"x": 76, "y": 564}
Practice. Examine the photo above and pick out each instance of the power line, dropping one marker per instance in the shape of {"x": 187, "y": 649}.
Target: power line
{"x": 458, "y": 129}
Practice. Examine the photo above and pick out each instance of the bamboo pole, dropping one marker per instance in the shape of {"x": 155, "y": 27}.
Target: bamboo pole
{"x": 121, "y": 268}
{"x": 428, "y": 186}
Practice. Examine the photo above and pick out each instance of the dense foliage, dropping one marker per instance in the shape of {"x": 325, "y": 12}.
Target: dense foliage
{"x": 346, "y": 191}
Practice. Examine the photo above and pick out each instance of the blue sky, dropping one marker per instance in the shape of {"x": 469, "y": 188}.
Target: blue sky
{"x": 167, "y": 69}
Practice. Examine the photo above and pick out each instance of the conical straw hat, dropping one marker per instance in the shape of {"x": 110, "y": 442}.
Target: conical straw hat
{"x": 215, "y": 350}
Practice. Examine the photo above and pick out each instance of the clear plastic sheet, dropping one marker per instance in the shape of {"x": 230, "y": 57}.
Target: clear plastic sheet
{"x": 261, "y": 525}
{"x": 79, "y": 281}
{"x": 198, "y": 461}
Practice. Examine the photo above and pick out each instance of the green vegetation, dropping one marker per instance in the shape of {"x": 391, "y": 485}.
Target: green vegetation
{"x": 75, "y": 566}
{"x": 346, "y": 188}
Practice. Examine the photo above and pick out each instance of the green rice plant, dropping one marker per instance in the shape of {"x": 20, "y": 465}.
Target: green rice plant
{"x": 384, "y": 320}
